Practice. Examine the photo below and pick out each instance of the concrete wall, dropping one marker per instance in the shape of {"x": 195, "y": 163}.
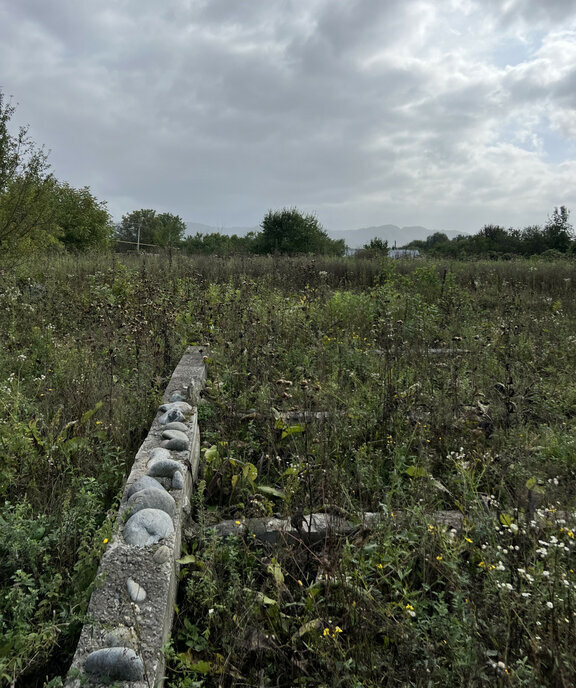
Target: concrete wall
{"x": 131, "y": 608}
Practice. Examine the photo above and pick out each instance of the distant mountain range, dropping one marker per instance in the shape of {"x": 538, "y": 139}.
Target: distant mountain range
{"x": 354, "y": 238}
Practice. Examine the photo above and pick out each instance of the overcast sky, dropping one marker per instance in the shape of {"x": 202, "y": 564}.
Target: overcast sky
{"x": 445, "y": 113}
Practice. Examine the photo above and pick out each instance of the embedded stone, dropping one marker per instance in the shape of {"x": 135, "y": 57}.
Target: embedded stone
{"x": 179, "y": 395}
{"x": 121, "y": 636}
{"x": 152, "y": 498}
{"x": 172, "y": 416}
{"x": 162, "y": 554}
{"x": 136, "y": 591}
{"x": 177, "y": 480}
{"x": 182, "y": 406}
{"x": 158, "y": 453}
{"x": 164, "y": 468}
{"x": 177, "y": 426}
{"x": 143, "y": 483}
{"x": 116, "y": 663}
{"x": 175, "y": 435}
{"x": 147, "y": 527}
{"x": 176, "y": 444}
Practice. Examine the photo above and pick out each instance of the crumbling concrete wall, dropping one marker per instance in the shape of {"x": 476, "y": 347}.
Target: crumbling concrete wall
{"x": 131, "y": 608}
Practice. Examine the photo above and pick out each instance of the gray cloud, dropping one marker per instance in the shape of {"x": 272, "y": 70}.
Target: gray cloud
{"x": 365, "y": 112}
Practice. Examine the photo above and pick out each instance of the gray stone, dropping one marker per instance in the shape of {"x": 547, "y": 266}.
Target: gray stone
{"x": 164, "y": 468}
{"x": 177, "y": 426}
{"x": 141, "y": 484}
{"x": 136, "y": 591}
{"x": 176, "y": 444}
{"x": 172, "y": 416}
{"x": 179, "y": 395}
{"x": 162, "y": 554}
{"x": 152, "y": 498}
{"x": 116, "y": 663}
{"x": 175, "y": 435}
{"x": 121, "y": 637}
{"x": 177, "y": 480}
{"x": 158, "y": 453}
{"x": 182, "y": 406}
{"x": 147, "y": 527}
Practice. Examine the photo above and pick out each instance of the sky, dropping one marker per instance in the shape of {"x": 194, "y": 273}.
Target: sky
{"x": 450, "y": 114}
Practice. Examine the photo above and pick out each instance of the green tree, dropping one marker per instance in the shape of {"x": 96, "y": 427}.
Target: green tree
{"x": 26, "y": 187}
{"x": 138, "y": 227}
{"x": 558, "y": 230}
{"x": 83, "y": 221}
{"x": 169, "y": 230}
{"x": 288, "y": 231}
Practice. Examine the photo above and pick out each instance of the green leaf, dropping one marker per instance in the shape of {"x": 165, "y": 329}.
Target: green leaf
{"x": 531, "y": 483}
{"x": 506, "y": 520}
{"x": 271, "y": 491}
{"x": 211, "y": 453}
{"x": 250, "y": 472}
{"x": 416, "y": 472}
{"x": 293, "y": 430}
{"x": 188, "y": 559}
{"x": 275, "y": 570}
{"x": 86, "y": 416}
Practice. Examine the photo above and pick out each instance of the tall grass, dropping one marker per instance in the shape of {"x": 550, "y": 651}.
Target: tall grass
{"x": 445, "y": 386}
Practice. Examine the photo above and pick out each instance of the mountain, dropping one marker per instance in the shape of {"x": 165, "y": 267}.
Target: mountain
{"x": 354, "y": 238}
{"x": 394, "y": 235}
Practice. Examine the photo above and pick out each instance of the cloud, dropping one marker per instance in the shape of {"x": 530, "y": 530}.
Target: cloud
{"x": 410, "y": 112}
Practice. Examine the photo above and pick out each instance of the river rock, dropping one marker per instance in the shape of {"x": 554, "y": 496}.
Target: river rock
{"x": 147, "y": 527}
{"x": 142, "y": 484}
{"x": 115, "y": 663}
{"x": 173, "y": 416}
{"x": 182, "y": 406}
{"x": 158, "y": 453}
{"x": 162, "y": 554}
{"x": 177, "y": 426}
{"x": 152, "y": 498}
{"x": 164, "y": 468}
{"x": 136, "y": 591}
{"x": 175, "y": 435}
{"x": 179, "y": 395}
{"x": 122, "y": 636}
{"x": 177, "y": 480}
{"x": 176, "y": 444}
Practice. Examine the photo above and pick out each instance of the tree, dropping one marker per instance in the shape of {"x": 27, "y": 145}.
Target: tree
{"x": 169, "y": 230}
{"x": 138, "y": 227}
{"x": 288, "y": 231}
{"x": 558, "y": 230}
{"x": 26, "y": 187}
{"x": 83, "y": 221}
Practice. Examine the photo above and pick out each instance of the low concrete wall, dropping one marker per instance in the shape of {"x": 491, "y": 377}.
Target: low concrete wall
{"x": 131, "y": 609}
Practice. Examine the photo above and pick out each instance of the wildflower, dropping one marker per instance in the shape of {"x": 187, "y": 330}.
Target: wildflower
{"x": 550, "y": 605}
{"x": 105, "y": 541}
{"x": 379, "y": 566}
{"x": 238, "y": 523}
{"x": 468, "y": 540}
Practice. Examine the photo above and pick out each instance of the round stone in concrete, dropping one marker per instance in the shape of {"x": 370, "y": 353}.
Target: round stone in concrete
{"x": 162, "y": 554}
{"x": 158, "y": 453}
{"x": 176, "y": 426}
{"x": 176, "y": 444}
{"x": 122, "y": 636}
{"x": 115, "y": 663}
{"x": 141, "y": 484}
{"x": 177, "y": 480}
{"x": 147, "y": 527}
{"x": 182, "y": 406}
{"x": 179, "y": 395}
{"x": 172, "y": 416}
{"x": 164, "y": 468}
{"x": 152, "y": 498}
{"x": 136, "y": 591}
{"x": 175, "y": 435}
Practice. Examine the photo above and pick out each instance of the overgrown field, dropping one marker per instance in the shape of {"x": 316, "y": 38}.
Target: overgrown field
{"x": 443, "y": 387}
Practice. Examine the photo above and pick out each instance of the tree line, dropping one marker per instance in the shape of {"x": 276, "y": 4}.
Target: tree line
{"x": 39, "y": 212}
{"x": 555, "y": 239}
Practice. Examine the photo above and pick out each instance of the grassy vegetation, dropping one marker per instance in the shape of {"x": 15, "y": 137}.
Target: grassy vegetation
{"x": 447, "y": 386}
